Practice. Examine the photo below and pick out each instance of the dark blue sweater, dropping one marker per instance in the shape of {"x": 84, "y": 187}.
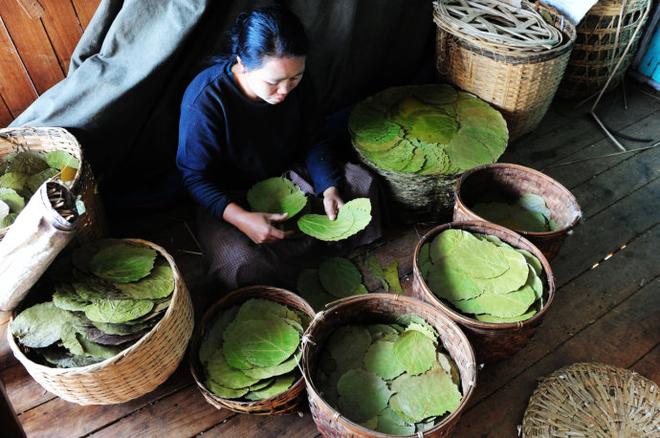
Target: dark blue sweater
{"x": 228, "y": 142}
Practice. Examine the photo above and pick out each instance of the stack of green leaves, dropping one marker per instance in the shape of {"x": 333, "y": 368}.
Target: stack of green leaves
{"x": 276, "y": 195}
{"x": 22, "y": 173}
{"x": 335, "y": 278}
{"x": 251, "y": 352}
{"x": 481, "y": 275}
{"x": 109, "y": 294}
{"x": 388, "y": 276}
{"x": 392, "y": 378}
{"x": 352, "y": 218}
{"x": 529, "y": 213}
{"x": 427, "y": 130}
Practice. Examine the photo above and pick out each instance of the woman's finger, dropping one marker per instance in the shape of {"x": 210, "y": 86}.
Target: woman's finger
{"x": 277, "y": 217}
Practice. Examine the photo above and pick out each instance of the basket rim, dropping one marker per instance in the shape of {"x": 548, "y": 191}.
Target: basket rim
{"x": 556, "y": 184}
{"x": 122, "y": 354}
{"x": 472, "y": 322}
{"x": 226, "y": 301}
{"x": 343, "y": 302}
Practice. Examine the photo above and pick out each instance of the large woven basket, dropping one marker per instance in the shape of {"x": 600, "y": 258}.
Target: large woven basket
{"x": 374, "y": 308}
{"x": 492, "y": 341}
{"x": 593, "y": 400}
{"x": 92, "y": 224}
{"x": 135, "y": 371}
{"x": 287, "y": 402}
{"x": 513, "y": 181}
{"x": 602, "y": 36}
{"x": 520, "y": 84}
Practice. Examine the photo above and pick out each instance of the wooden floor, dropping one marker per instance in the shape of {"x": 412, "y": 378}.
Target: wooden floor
{"x": 606, "y": 308}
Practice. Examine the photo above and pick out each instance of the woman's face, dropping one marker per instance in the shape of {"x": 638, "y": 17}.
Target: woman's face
{"x": 275, "y": 79}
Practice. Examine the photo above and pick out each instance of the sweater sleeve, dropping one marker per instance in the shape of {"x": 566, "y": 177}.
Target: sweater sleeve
{"x": 200, "y": 137}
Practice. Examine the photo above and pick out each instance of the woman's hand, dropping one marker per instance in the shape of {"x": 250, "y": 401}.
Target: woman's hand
{"x": 332, "y": 202}
{"x": 257, "y": 226}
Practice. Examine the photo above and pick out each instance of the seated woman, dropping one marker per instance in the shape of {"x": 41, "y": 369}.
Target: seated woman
{"x": 250, "y": 117}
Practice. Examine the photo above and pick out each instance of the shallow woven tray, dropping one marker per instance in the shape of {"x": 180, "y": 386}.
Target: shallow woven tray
{"x": 287, "y": 402}
{"x": 593, "y": 400}
{"x": 135, "y": 371}
{"x": 372, "y": 308}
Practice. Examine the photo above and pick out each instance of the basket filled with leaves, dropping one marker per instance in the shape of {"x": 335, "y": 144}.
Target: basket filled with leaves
{"x": 108, "y": 323}
{"x": 522, "y": 199}
{"x": 246, "y": 351}
{"x": 421, "y": 138}
{"x": 491, "y": 281}
{"x": 380, "y": 364}
{"x": 31, "y": 156}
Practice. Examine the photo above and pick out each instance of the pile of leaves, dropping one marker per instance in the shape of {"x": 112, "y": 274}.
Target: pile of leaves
{"x": 528, "y": 213}
{"x": 335, "y": 278}
{"x": 251, "y": 352}
{"x": 22, "y": 173}
{"x": 427, "y": 130}
{"x": 388, "y": 276}
{"x": 108, "y": 295}
{"x": 483, "y": 276}
{"x": 280, "y": 195}
{"x": 392, "y": 378}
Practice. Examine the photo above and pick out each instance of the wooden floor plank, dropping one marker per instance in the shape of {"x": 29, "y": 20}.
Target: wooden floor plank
{"x": 247, "y": 426}
{"x": 16, "y": 87}
{"x": 613, "y": 340}
{"x": 23, "y": 391}
{"x": 649, "y": 365}
{"x": 63, "y": 28}
{"x": 85, "y": 10}
{"x": 5, "y": 115}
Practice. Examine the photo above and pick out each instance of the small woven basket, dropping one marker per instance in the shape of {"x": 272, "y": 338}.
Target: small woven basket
{"x": 287, "y": 402}
{"x": 593, "y": 400}
{"x": 599, "y": 44}
{"x": 521, "y": 84}
{"x": 135, "y": 371}
{"x": 492, "y": 341}
{"x": 92, "y": 224}
{"x": 512, "y": 180}
{"x": 375, "y": 308}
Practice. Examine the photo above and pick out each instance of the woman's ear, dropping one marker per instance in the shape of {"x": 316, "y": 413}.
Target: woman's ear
{"x": 241, "y": 66}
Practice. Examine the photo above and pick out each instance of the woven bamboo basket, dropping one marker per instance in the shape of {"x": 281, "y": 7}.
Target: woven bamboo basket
{"x": 512, "y": 180}
{"x": 593, "y": 400}
{"x": 135, "y": 371}
{"x": 288, "y": 402}
{"x": 519, "y": 84}
{"x": 602, "y": 36}
{"x": 375, "y": 308}
{"x": 492, "y": 341}
{"x": 92, "y": 224}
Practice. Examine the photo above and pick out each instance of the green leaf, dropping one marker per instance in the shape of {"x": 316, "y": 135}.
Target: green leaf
{"x": 310, "y": 289}
{"x": 14, "y": 180}
{"x": 362, "y": 394}
{"x": 276, "y": 195}
{"x": 123, "y": 262}
{"x": 452, "y": 284}
{"x": 415, "y": 352}
{"x": 261, "y": 343}
{"x": 352, "y": 218}
{"x": 532, "y": 261}
{"x": 348, "y": 345}
{"x": 506, "y": 305}
{"x": 97, "y": 350}
{"x": 35, "y": 181}
{"x": 450, "y": 367}
{"x": 381, "y": 360}
{"x": 276, "y": 370}
{"x": 212, "y": 340}
{"x": 281, "y": 384}
{"x": 40, "y": 325}
{"x": 118, "y": 311}
{"x": 220, "y": 372}
{"x": 15, "y": 202}
{"x": 339, "y": 276}
{"x": 66, "y": 298}
{"x": 503, "y": 319}
{"x": 224, "y": 392}
{"x": 512, "y": 279}
{"x": 158, "y": 284}
{"x": 61, "y": 159}
{"x": 391, "y": 423}
{"x": 392, "y": 277}
{"x": 70, "y": 340}
{"x": 26, "y": 162}
{"x": 374, "y": 267}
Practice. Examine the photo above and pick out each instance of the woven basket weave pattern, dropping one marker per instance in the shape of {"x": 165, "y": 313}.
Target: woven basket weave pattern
{"x": 135, "y": 371}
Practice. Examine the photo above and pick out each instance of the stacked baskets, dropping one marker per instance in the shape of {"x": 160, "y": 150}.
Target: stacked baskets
{"x": 518, "y": 79}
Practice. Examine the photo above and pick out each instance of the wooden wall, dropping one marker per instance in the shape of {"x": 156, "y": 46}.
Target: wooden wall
{"x": 37, "y": 38}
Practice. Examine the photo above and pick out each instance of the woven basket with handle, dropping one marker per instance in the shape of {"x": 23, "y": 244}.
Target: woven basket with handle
{"x": 492, "y": 341}
{"x": 382, "y": 308}
{"x": 92, "y": 224}
{"x": 521, "y": 84}
{"x": 133, "y": 372}
{"x": 287, "y": 402}
{"x": 513, "y": 180}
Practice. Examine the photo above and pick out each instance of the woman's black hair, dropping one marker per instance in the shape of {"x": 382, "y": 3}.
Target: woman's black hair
{"x": 269, "y": 31}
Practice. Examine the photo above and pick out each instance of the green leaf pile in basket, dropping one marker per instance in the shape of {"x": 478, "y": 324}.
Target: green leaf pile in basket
{"x": 251, "y": 352}
{"x": 483, "y": 276}
{"x": 391, "y": 378}
{"x": 427, "y": 130}
{"x": 528, "y": 213}
{"x": 335, "y": 278}
{"x": 107, "y": 297}
{"x": 22, "y": 173}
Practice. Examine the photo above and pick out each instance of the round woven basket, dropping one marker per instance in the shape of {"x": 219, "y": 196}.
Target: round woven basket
{"x": 593, "y": 400}
{"x": 492, "y": 341}
{"x": 287, "y": 402}
{"x": 92, "y": 224}
{"x": 375, "y": 308}
{"x": 512, "y": 180}
{"x": 135, "y": 371}
{"x": 520, "y": 84}
{"x": 599, "y": 44}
